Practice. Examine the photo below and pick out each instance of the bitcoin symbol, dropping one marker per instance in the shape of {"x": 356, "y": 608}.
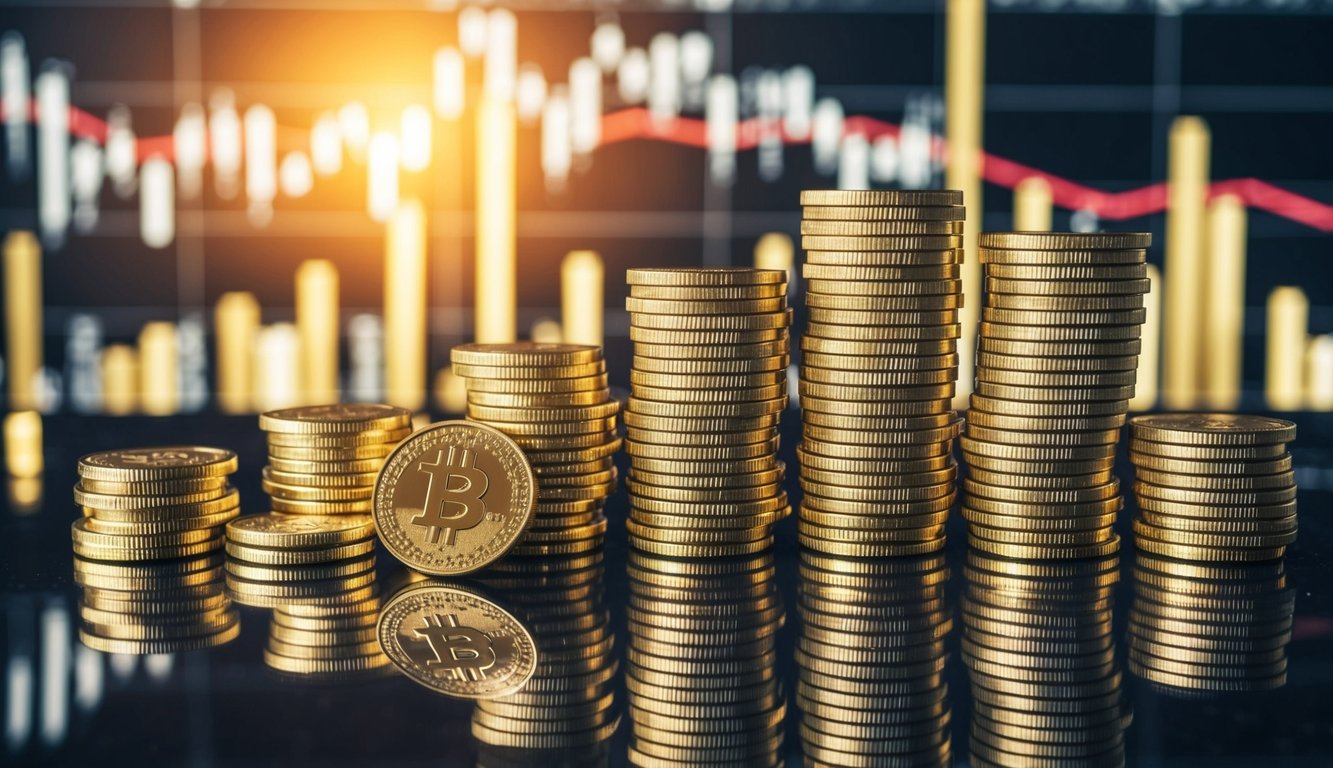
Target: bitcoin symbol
{"x": 465, "y": 652}
{"x": 447, "y": 509}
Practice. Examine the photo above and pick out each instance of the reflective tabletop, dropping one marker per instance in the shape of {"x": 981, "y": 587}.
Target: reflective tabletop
{"x": 782, "y": 657}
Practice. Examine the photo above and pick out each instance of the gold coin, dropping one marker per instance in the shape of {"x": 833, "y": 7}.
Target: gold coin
{"x": 908, "y": 452}
{"x": 881, "y": 243}
{"x": 1093, "y": 272}
{"x": 883, "y": 332}
{"x": 338, "y": 468}
{"x": 1197, "y": 467}
{"x": 524, "y": 353}
{"x": 693, "y": 277}
{"x": 672, "y": 409}
{"x": 1093, "y": 333}
{"x": 775, "y": 503}
{"x": 1079, "y": 288}
{"x": 582, "y": 370}
{"x": 927, "y": 348}
{"x": 874, "y": 274}
{"x": 1216, "y": 496}
{"x": 948, "y": 360}
{"x": 694, "y": 367}
{"x": 1250, "y": 527}
{"x": 875, "y": 310}
{"x": 1038, "y": 526}
{"x": 306, "y": 507}
{"x": 536, "y": 400}
{"x": 907, "y": 258}
{"x": 882, "y": 288}
{"x": 883, "y": 212}
{"x": 709, "y": 292}
{"x": 695, "y": 426}
{"x": 908, "y": 424}
{"x": 150, "y": 646}
{"x": 712, "y": 338}
{"x": 1039, "y": 426}
{"x": 108, "y": 501}
{"x": 870, "y": 549}
{"x": 708, "y": 381}
{"x": 820, "y": 494}
{"x": 336, "y": 419}
{"x": 881, "y": 197}
{"x": 280, "y": 556}
{"x": 300, "y": 572}
{"x": 1144, "y": 529}
{"x": 1063, "y": 318}
{"x": 699, "y": 354}
{"x": 1239, "y": 511}
{"x": 1207, "y": 453}
{"x": 1048, "y": 379}
{"x": 873, "y": 435}
{"x": 875, "y": 394}
{"x": 216, "y": 486}
{"x": 702, "y": 453}
{"x": 1092, "y": 470}
{"x": 165, "y": 463}
{"x": 1053, "y": 394}
{"x": 319, "y": 481}
{"x": 713, "y": 322}
{"x": 88, "y": 532}
{"x": 340, "y": 441}
{"x": 756, "y": 479}
{"x": 1060, "y": 241}
{"x": 1025, "y": 438}
{"x": 595, "y": 383}
{"x": 976, "y": 446}
{"x": 673, "y": 520}
{"x": 731, "y": 397}
{"x": 1040, "y": 551}
{"x": 1063, "y": 258}
{"x": 166, "y": 524}
{"x": 144, "y": 552}
{"x": 880, "y": 228}
{"x": 1055, "y": 497}
{"x": 815, "y": 519}
{"x": 857, "y": 378}
{"x": 1044, "y": 410}
{"x": 1006, "y": 476}
{"x": 681, "y": 306}
{"x": 573, "y": 429}
{"x": 279, "y": 531}
{"x": 832, "y": 466}
{"x": 694, "y": 551}
{"x": 311, "y": 493}
{"x": 453, "y": 498}
{"x": 698, "y": 439}
{"x": 1212, "y": 429}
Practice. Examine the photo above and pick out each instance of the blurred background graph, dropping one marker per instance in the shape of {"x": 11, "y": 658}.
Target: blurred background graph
{"x": 239, "y": 205}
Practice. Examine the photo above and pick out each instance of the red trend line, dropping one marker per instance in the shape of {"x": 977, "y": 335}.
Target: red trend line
{"x": 638, "y": 123}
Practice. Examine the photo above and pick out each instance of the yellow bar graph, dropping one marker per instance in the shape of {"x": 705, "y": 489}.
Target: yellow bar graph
{"x": 1187, "y": 190}
{"x": 1224, "y": 309}
{"x": 317, "y": 327}
{"x": 1319, "y": 373}
{"x": 1288, "y": 321}
{"x": 159, "y": 378}
{"x": 1032, "y": 205}
{"x": 405, "y": 307}
{"x": 450, "y": 391}
{"x": 964, "y": 90}
{"x": 582, "y": 297}
{"x": 496, "y": 299}
{"x": 236, "y": 323}
{"x": 120, "y": 379}
{"x": 23, "y": 319}
{"x": 1150, "y": 355}
{"x": 23, "y": 444}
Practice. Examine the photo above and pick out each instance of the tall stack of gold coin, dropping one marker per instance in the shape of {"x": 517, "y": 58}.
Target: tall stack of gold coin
{"x": 152, "y": 523}
{"x": 1057, "y": 356}
{"x": 554, "y": 402}
{"x": 322, "y": 459}
{"x": 1216, "y": 487}
{"x": 708, "y": 386}
{"x": 878, "y": 369}
{"x": 1040, "y": 652}
{"x": 1203, "y": 629}
{"x": 314, "y": 572}
{"x": 871, "y": 657}
{"x": 701, "y": 676}
{"x": 569, "y": 705}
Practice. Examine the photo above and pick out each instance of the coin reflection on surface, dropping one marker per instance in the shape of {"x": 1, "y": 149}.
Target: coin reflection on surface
{"x": 456, "y": 642}
{"x": 701, "y": 663}
{"x": 871, "y": 656}
{"x": 156, "y": 607}
{"x": 1040, "y": 653}
{"x": 1198, "y": 629}
{"x": 568, "y": 710}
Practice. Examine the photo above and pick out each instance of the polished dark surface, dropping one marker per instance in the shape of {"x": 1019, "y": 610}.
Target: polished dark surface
{"x": 67, "y": 705}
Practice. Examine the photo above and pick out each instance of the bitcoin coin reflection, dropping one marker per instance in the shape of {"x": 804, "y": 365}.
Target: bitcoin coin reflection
{"x": 567, "y": 712}
{"x": 702, "y": 684}
{"x": 1198, "y": 629}
{"x": 871, "y": 656}
{"x": 453, "y": 498}
{"x": 456, "y": 642}
{"x": 1040, "y": 653}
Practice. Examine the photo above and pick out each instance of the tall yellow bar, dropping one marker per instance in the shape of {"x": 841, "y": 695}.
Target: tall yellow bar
{"x": 582, "y": 297}
{"x": 450, "y": 391}
{"x": 1187, "y": 191}
{"x": 496, "y": 300}
{"x": 23, "y": 444}
{"x": 546, "y": 331}
{"x": 236, "y": 322}
{"x": 1319, "y": 373}
{"x": 1224, "y": 309}
{"x": 405, "y": 307}
{"x": 1150, "y": 354}
{"x": 1032, "y": 205}
{"x": 120, "y": 379}
{"x": 159, "y": 366}
{"x": 964, "y": 89}
{"x": 1284, "y": 372}
{"x": 23, "y": 318}
{"x": 317, "y": 327}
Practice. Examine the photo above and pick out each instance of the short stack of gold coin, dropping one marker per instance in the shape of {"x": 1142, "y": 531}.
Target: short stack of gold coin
{"x": 708, "y": 386}
{"x": 1057, "y": 357}
{"x": 1216, "y": 487}
{"x": 1200, "y": 629}
{"x": 1040, "y": 652}
{"x": 554, "y": 402}
{"x": 569, "y": 704}
{"x": 702, "y": 680}
{"x": 878, "y": 369}
{"x": 169, "y": 606}
{"x": 322, "y": 459}
{"x": 871, "y": 657}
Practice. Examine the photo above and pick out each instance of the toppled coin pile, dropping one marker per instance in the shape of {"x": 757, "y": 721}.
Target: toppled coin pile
{"x": 553, "y": 401}
{"x": 1214, "y": 487}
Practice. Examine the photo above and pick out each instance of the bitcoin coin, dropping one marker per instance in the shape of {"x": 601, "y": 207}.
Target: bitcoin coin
{"x": 453, "y": 498}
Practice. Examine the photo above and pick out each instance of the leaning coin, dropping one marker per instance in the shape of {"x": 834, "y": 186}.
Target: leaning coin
{"x": 164, "y": 463}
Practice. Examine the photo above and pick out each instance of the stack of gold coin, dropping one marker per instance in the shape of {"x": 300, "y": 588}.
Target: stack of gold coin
{"x": 322, "y": 459}
{"x": 1057, "y": 357}
{"x": 871, "y": 656}
{"x": 1200, "y": 629}
{"x": 702, "y": 680}
{"x": 553, "y": 401}
{"x": 568, "y": 706}
{"x": 878, "y": 369}
{"x": 708, "y": 386}
{"x": 153, "y": 503}
{"x": 1213, "y": 486}
{"x": 169, "y": 606}
{"x": 1040, "y": 652}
